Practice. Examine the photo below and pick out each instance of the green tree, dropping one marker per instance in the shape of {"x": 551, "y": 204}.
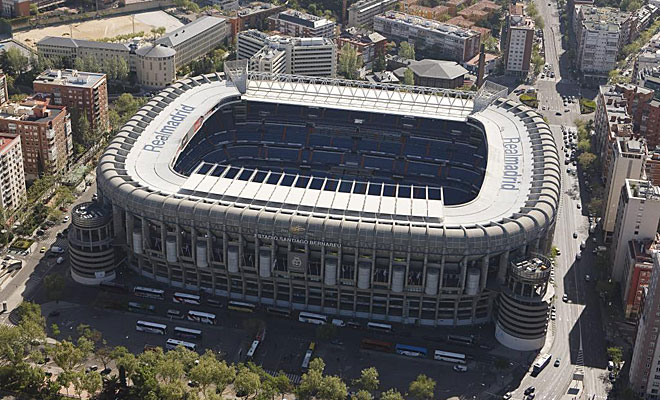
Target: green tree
{"x": 379, "y": 63}
{"x": 363, "y": 395}
{"x": 408, "y": 77}
{"x": 92, "y": 382}
{"x": 407, "y": 50}
{"x": 368, "y": 380}
{"x": 282, "y": 384}
{"x": 422, "y": 387}
{"x": 247, "y": 383}
{"x": 586, "y": 160}
{"x": 13, "y": 62}
{"x": 209, "y": 370}
{"x": 350, "y": 62}
{"x": 67, "y": 356}
{"x": 55, "y": 285}
{"x": 584, "y": 145}
{"x": 332, "y": 388}
{"x": 312, "y": 381}
{"x": 122, "y": 69}
{"x": 615, "y": 354}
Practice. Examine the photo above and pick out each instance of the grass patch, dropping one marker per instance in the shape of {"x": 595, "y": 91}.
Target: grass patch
{"x": 21, "y": 244}
{"x": 587, "y": 106}
{"x": 529, "y": 99}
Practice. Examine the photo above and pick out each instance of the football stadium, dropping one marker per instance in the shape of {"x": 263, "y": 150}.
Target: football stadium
{"x": 385, "y": 202}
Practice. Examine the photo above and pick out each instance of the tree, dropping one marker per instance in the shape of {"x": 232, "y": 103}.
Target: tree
{"x": 363, "y": 395}
{"x": 379, "y": 63}
{"x": 587, "y": 160}
{"x": 407, "y": 50}
{"x": 209, "y": 370}
{"x": 350, "y": 62}
{"x": 408, "y": 77}
{"x": 584, "y": 145}
{"x": 422, "y": 387}
{"x": 122, "y": 69}
{"x": 333, "y": 388}
{"x": 247, "y": 383}
{"x": 368, "y": 380}
{"x": 91, "y": 382}
{"x": 34, "y": 9}
{"x": 13, "y": 62}
{"x": 615, "y": 354}
{"x": 54, "y": 284}
{"x": 282, "y": 384}
{"x": 67, "y": 356}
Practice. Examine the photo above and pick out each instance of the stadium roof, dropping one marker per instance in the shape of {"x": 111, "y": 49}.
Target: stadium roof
{"x": 518, "y": 151}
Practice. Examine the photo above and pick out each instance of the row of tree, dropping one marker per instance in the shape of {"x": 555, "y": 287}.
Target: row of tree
{"x": 154, "y": 374}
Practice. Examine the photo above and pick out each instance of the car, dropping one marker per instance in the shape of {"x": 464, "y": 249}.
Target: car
{"x": 531, "y": 396}
{"x": 353, "y": 324}
{"x": 43, "y": 249}
{"x": 612, "y": 376}
{"x": 56, "y": 250}
{"x": 558, "y": 251}
{"x": 553, "y": 316}
{"x": 610, "y": 365}
{"x": 565, "y": 298}
{"x": 95, "y": 197}
{"x": 40, "y": 232}
{"x": 59, "y": 260}
{"x": 557, "y": 361}
{"x": 65, "y": 219}
{"x": 529, "y": 390}
{"x": 575, "y": 235}
{"x": 106, "y": 371}
{"x": 507, "y": 396}
{"x": 64, "y": 209}
{"x": 554, "y": 307}
{"x": 579, "y": 206}
{"x": 460, "y": 368}
{"x": 583, "y": 245}
{"x": 587, "y": 278}
{"x": 578, "y": 255}
{"x": 92, "y": 368}
{"x": 557, "y": 113}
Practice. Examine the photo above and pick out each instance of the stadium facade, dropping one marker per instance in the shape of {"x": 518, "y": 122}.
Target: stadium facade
{"x": 386, "y": 202}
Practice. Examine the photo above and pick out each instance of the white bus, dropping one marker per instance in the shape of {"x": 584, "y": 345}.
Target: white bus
{"x": 186, "y": 298}
{"x": 187, "y": 333}
{"x": 311, "y": 318}
{"x": 541, "y": 363}
{"x": 152, "y": 293}
{"x": 253, "y": 349}
{"x": 240, "y": 306}
{"x": 172, "y": 344}
{"x": 151, "y": 327}
{"x": 375, "y": 326}
{"x": 204, "y": 318}
{"x": 456, "y": 358}
{"x": 308, "y": 356}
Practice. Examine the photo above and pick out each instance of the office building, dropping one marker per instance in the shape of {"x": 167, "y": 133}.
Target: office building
{"x": 451, "y": 42}
{"x": 85, "y": 91}
{"x": 637, "y": 218}
{"x": 626, "y": 162}
{"x": 638, "y": 264}
{"x": 644, "y": 376}
{"x": 45, "y": 132}
{"x": 601, "y": 33}
{"x": 282, "y": 54}
{"x": 195, "y": 39}
{"x": 517, "y": 43}
{"x": 12, "y": 184}
{"x": 362, "y": 12}
{"x": 300, "y": 24}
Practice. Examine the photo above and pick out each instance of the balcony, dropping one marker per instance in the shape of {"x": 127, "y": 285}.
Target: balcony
{"x": 50, "y": 134}
{"x": 52, "y": 154}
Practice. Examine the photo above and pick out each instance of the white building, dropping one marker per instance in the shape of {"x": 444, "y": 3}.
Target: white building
{"x": 627, "y": 162}
{"x": 196, "y": 39}
{"x": 297, "y": 23}
{"x": 283, "y": 54}
{"x": 362, "y": 13}
{"x": 155, "y": 66}
{"x": 518, "y": 45}
{"x": 637, "y": 218}
{"x": 12, "y": 193}
{"x": 601, "y": 32}
{"x": 451, "y": 42}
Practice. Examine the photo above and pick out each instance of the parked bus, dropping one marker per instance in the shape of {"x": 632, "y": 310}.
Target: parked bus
{"x": 113, "y": 287}
{"x": 151, "y": 293}
{"x": 541, "y": 363}
{"x": 204, "y": 318}
{"x": 378, "y": 345}
{"x": 240, "y": 306}
{"x": 311, "y": 318}
{"x": 187, "y": 333}
{"x": 468, "y": 340}
{"x": 253, "y": 349}
{"x": 172, "y": 344}
{"x": 308, "y": 356}
{"x": 375, "y": 326}
{"x": 151, "y": 327}
{"x": 282, "y": 312}
{"x": 456, "y": 358}
{"x": 410, "y": 351}
{"x": 186, "y": 298}
{"x": 134, "y": 306}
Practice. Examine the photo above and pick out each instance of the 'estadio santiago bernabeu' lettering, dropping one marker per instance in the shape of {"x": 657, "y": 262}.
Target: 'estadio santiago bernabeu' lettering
{"x": 169, "y": 127}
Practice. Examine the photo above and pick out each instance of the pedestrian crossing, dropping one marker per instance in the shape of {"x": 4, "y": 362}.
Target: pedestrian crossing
{"x": 293, "y": 378}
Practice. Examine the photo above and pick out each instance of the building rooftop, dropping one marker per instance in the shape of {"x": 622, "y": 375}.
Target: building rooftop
{"x": 618, "y": 119}
{"x": 73, "y": 43}
{"x": 437, "y": 69}
{"x": 358, "y": 35}
{"x": 642, "y": 250}
{"x": 603, "y": 18}
{"x": 155, "y": 51}
{"x": 362, "y": 4}
{"x": 427, "y": 24}
{"x": 31, "y": 109}
{"x": 189, "y": 31}
{"x": 643, "y": 190}
{"x": 70, "y": 77}
{"x": 521, "y": 21}
{"x": 6, "y": 139}
{"x": 254, "y": 8}
{"x": 304, "y": 19}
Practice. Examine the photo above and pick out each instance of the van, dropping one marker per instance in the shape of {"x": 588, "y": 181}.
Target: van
{"x": 338, "y": 322}
{"x": 610, "y": 365}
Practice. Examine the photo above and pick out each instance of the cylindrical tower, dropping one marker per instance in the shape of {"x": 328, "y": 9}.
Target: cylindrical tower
{"x": 90, "y": 244}
{"x": 522, "y": 318}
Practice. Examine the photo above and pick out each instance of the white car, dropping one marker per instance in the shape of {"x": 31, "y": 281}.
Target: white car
{"x": 460, "y": 368}
{"x": 56, "y": 250}
{"x": 65, "y": 219}
{"x": 59, "y": 260}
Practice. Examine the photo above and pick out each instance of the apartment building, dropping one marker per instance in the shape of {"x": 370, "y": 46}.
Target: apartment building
{"x": 450, "y": 42}
{"x": 637, "y": 218}
{"x": 436, "y": 12}
{"x": 601, "y": 32}
{"x": 479, "y": 11}
{"x": 517, "y": 42}
{"x": 644, "y": 373}
{"x": 301, "y": 56}
{"x": 652, "y": 166}
{"x": 252, "y": 16}
{"x": 637, "y": 267}
{"x": 12, "y": 181}
{"x": 300, "y": 24}
{"x": 195, "y": 39}
{"x": 85, "y": 91}
{"x": 644, "y": 109}
{"x": 362, "y": 13}
{"x": 369, "y": 45}
{"x": 641, "y": 19}
{"x": 4, "y": 94}
{"x": 45, "y": 132}
{"x": 15, "y": 8}
{"x": 626, "y": 162}
{"x": 611, "y": 120}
